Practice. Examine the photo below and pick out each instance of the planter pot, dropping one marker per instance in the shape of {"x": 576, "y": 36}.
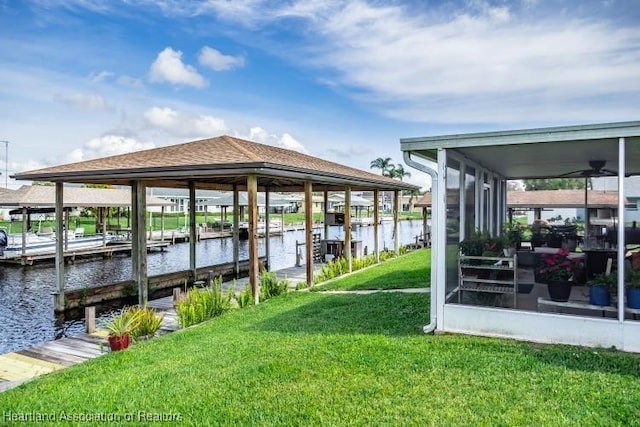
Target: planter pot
{"x": 559, "y": 290}
{"x": 599, "y": 295}
{"x": 633, "y": 297}
{"x": 119, "y": 342}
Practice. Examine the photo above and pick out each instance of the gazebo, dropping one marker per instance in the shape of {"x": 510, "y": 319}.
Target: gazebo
{"x": 221, "y": 163}
{"x": 469, "y": 174}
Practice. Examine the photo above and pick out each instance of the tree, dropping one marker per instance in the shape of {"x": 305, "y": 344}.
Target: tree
{"x": 384, "y": 165}
{"x": 556, "y": 184}
{"x": 398, "y": 171}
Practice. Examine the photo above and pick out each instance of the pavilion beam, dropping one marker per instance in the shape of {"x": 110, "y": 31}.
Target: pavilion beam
{"x": 66, "y": 230}
{"x": 236, "y": 231}
{"x": 139, "y": 243}
{"x": 192, "y": 229}
{"x": 252, "y": 200}
{"x": 104, "y": 228}
{"x": 267, "y": 228}
{"x": 396, "y": 238}
{"x": 325, "y": 209}
{"x": 59, "y": 295}
{"x": 376, "y": 224}
{"x": 308, "y": 230}
{"x": 162, "y": 223}
{"x": 347, "y": 228}
{"x": 425, "y": 226}
{"x": 25, "y": 226}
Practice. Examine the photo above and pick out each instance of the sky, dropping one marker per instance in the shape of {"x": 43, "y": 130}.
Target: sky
{"x": 343, "y": 80}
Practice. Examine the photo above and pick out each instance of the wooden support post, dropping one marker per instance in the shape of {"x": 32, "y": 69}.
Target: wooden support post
{"x": 162, "y": 224}
{"x": 252, "y": 200}
{"x": 376, "y": 224}
{"x": 139, "y": 241}
{"x": 90, "y": 319}
{"x": 104, "y": 229}
{"x": 177, "y": 293}
{"x": 347, "y": 228}
{"x": 396, "y": 238}
{"x": 66, "y": 230}
{"x": 25, "y": 216}
{"x": 59, "y": 296}
{"x": 308, "y": 228}
{"x": 325, "y": 208}
{"x": 193, "y": 238}
{"x": 267, "y": 227}
{"x": 236, "y": 230}
{"x": 425, "y": 227}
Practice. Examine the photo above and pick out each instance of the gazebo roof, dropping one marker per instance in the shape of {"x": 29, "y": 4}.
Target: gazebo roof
{"x": 45, "y": 196}
{"x": 217, "y": 163}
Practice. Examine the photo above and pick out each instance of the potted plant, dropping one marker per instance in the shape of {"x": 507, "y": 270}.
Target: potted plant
{"x": 560, "y": 272}
{"x": 632, "y": 284}
{"x": 511, "y": 238}
{"x": 120, "y": 327}
{"x": 601, "y": 287}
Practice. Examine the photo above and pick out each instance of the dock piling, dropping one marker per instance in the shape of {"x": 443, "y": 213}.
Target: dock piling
{"x": 90, "y": 319}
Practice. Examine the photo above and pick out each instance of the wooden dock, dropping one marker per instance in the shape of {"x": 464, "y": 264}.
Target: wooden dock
{"x": 23, "y": 365}
{"x": 70, "y": 256}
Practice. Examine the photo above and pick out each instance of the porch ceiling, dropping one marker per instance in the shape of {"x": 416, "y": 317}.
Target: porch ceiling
{"x": 539, "y": 153}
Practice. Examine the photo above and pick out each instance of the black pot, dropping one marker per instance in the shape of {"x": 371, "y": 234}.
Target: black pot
{"x": 559, "y": 290}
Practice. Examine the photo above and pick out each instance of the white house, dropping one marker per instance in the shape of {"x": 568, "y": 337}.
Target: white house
{"x": 469, "y": 174}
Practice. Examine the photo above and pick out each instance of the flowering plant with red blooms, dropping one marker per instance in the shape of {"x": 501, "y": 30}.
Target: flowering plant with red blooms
{"x": 559, "y": 266}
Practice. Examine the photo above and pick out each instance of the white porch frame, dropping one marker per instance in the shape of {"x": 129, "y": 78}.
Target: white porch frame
{"x": 534, "y": 326}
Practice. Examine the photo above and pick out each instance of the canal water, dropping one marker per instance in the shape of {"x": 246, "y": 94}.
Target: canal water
{"x": 26, "y": 293}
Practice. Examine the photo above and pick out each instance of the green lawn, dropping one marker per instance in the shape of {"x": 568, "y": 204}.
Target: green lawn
{"x": 408, "y": 271}
{"x": 308, "y": 358}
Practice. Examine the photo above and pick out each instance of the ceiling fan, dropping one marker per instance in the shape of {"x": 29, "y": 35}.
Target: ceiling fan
{"x": 596, "y": 169}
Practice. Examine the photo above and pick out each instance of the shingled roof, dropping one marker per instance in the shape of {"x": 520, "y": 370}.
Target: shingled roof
{"x": 45, "y": 196}
{"x": 216, "y": 163}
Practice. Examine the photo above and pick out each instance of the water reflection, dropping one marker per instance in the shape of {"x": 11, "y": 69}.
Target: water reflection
{"x": 26, "y": 293}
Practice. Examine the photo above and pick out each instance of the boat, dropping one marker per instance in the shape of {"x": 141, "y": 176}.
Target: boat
{"x": 11, "y": 245}
{"x": 275, "y": 227}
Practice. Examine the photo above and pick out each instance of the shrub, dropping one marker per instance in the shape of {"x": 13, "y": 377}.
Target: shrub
{"x": 146, "y": 323}
{"x": 199, "y": 305}
{"x": 270, "y": 286}
{"x": 245, "y": 297}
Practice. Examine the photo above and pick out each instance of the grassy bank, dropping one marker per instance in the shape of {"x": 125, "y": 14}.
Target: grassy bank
{"x": 320, "y": 359}
{"x": 409, "y": 271}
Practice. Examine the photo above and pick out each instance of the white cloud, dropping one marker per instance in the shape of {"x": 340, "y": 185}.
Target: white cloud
{"x": 473, "y": 61}
{"x": 82, "y": 101}
{"x": 217, "y": 61}
{"x": 108, "y": 145}
{"x": 130, "y": 82}
{"x": 168, "y": 67}
{"x": 100, "y": 77}
{"x": 287, "y": 141}
{"x": 184, "y": 125}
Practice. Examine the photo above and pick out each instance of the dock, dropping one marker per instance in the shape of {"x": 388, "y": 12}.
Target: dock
{"x": 70, "y": 256}
{"x": 23, "y": 365}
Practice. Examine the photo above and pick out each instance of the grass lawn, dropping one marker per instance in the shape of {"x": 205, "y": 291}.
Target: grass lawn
{"x": 412, "y": 270}
{"x": 308, "y": 358}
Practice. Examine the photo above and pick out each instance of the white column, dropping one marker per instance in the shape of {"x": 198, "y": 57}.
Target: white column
{"x": 376, "y": 224}
{"x": 396, "y": 210}
{"x": 347, "y": 227}
{"x": 621, "y": 242}
{"x": 236, "y": 230}
{"x": 308, "y": 230}
{"x": 267, "y": 228}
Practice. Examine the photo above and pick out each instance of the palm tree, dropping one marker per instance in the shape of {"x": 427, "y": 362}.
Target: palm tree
{"x": 398, "y": 171}
{"x": 384, "y": 165}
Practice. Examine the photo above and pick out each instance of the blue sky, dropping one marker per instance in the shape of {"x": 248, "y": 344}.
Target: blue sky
{"x": 342, "y": 80}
